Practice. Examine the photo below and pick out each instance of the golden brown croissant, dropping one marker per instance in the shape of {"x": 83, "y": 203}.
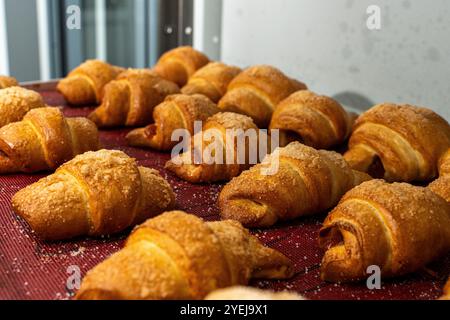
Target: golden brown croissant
{"x": 15, "y": 102}
{"x": 179, "y": 64}
{"x": 441, "y": 186}
{"x": 6, "y": 82}
{"x": 44, "y": 140}
{"x": 130, "y": 99}
{"x": 84, "y": 85}
{"x": 446, "y": 295}
{"x": 398, "y": 227}
{"x": 96, "y": 193}
{"x": 179, "y": 256}
{"x": 305, "y": 181}
{"x": 214, "y": 167}
{"x": 212, "y": 80}
{"x": 178, "y": 111}
{"x": 256, "y": 91}
{"x": 316, "y": 121}
{"x": 249, "y": 293}
{"x": 398, "y": 142}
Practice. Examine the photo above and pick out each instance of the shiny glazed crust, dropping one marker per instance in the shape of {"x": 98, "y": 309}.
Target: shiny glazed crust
{"x": 179, "y": 64}
{"x": 316, "y": 121}
{"x": 130, "y": 99}
{"x": 212, "y": 80}
{"x": 178, "y": 111}
{"x": 44, "y": 140}
{"x": 84, "y": 85}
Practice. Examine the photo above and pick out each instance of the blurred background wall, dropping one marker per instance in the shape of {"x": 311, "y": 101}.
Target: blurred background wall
{"x": 325, "y": 43}
{"x": 328, "y": 45}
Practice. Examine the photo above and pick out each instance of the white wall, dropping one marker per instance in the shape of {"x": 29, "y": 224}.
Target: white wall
{"x": 4, "y": 59}
{"x": 326, "y": 43}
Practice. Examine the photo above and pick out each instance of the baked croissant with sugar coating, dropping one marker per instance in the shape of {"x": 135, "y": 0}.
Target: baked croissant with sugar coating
{"x": 96, "y": 193}
{"x": 44, "y": 140}
{"x": 84, "y": 85}
{"x": 397, "y": 227}
{"x": 179, "y": 64}
{"x": 178, "y": 111}
{"x": 130, "y": 99}
{"x": 15, "y": 102}
{"x": 179, "y": 256}
{"x": 215, "y": 148}
{"x": 212, "y": 80}
{"x": 249, "y": 293}
{"x": 441, "y": 186}
{"x": 316, "y": 121}
{"x": 291, "y": 182}
{"x": 6, "y": 82}
{"x": 398, "y": 142}
{"x": 256, "y": 92}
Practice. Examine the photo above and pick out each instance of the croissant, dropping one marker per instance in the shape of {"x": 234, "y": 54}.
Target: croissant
{"x": 441, "y": 186}
{"x": 214, "y": 167}
{"x": 179, "y": 256}
{"x": 304, "y": 181}
{"x": 6, "y": 82}
{"x": 15, "y": 102}
{"x": 398, "y": 142}
{"x": 84, "y": 85}
{"x": 179, "y": 64}
{"x": 248, "y": 293}
{"x": 212, "y": 80}
{"x": 316, "y": 121}
{"x": 44, "y": 140}
{"x": 96, "y": 193}
{"x": 256, "y": 91}
{"x": 446, "y": 295}
{"x": 130, "y": 99}
{"x": 398, "y": 227}
{"x": 178, "y": 111}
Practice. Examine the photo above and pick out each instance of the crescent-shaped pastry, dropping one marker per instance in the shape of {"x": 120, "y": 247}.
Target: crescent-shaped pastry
{"x": 178, "y": 111}
{"x": 96, "y": 193}
{"x": 212, "y": 80}
{"x": 316, "y": 121}
{"x": 84, "y": 85}
{"x": 129, "y": 100}
{"x": 179, "y": 256}
{"x": 256, "y": 91}
{"x": 398, "y": 143}
{"x": 44, "y": 140}
{"x": 179, "y": 64}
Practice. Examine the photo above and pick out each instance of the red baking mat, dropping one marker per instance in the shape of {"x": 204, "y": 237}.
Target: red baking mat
{"x": 32, "y": 269}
